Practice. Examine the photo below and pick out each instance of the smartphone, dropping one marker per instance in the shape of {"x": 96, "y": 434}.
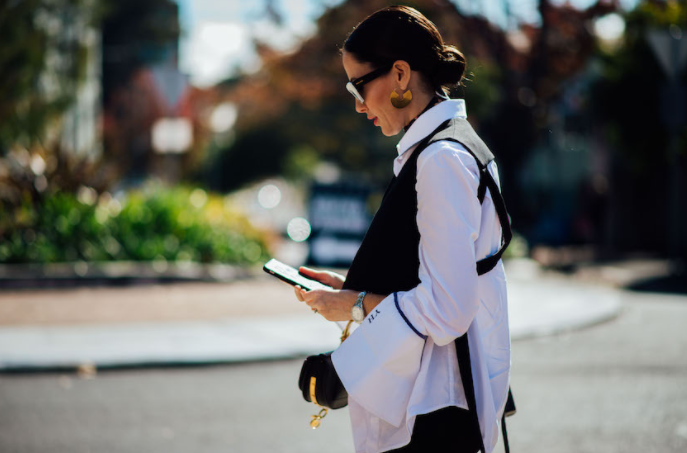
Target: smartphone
{"x": 291, "y": 276}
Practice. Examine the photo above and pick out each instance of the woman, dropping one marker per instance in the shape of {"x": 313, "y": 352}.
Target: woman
{"x": 414, "y": 284}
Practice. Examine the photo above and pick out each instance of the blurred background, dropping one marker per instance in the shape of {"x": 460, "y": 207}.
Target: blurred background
{"x": 126, "y": 125}
{"x": 177, "y": 145}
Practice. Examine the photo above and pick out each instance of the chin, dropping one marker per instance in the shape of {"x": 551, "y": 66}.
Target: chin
{"x": 389, "y": 133}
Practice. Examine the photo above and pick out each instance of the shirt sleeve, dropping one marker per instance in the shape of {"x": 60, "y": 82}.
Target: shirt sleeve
{"x": 379, "y": 362}
{"x": 445, "y": 302}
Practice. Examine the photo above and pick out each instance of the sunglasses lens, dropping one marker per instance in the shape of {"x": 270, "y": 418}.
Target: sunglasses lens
{"x": 351, "y": 89}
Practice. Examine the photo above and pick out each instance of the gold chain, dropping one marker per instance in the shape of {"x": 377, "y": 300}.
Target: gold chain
{"x": 346, "y": 332}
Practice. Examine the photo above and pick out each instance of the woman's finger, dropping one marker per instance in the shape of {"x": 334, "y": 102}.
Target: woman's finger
{"x": 328, "y": 278}
{"x": 320, "y": 276}
{"x": 307, "y": 271}
{"x": 299, "y": 293}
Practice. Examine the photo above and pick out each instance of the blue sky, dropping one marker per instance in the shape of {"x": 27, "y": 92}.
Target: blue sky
{"x": 217, "y": 34}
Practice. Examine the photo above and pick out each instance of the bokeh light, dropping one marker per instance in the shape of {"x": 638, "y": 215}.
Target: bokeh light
{"x": 223, "y": 117}
{"x": 610, "y": 27}
{"x": 298, "y": 229}
{"x": 198, "y": 198}
{"x": 269, "y": 196}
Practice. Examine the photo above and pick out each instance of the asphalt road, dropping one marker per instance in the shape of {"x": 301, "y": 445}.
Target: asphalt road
{"x": 616, "y": 387}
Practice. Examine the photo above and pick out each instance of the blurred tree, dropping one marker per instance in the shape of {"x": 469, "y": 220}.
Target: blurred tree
{"x": 43, "y": 60}
{"x": 47, "y": 50}
{"x": 626, "y": 103}
{"x": 632, "y": 73}
{"x": 535, "y": 77}
{"x": 41, "y": 65}
{"x": 298, "y": 101}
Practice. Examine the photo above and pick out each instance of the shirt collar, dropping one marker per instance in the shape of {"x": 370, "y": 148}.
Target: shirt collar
{"x": 430, "y": 120}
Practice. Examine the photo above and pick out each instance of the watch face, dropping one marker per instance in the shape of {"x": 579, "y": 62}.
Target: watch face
{"x": 358, "y": 314}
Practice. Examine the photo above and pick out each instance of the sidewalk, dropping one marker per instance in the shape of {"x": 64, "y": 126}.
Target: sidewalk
{"x": 247, "y": 320}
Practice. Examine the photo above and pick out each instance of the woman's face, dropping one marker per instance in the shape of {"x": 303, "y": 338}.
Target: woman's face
{"x": 376, "y": 93}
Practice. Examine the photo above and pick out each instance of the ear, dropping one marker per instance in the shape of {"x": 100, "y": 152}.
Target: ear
{"x": 401, "y": 71}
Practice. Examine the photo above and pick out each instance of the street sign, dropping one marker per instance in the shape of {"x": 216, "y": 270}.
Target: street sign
{"x": 171, "y": 84}
{"x": 339, "y": 217}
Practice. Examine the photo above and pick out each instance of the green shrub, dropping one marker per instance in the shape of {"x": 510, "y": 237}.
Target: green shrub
{"x": 156, "y": 223}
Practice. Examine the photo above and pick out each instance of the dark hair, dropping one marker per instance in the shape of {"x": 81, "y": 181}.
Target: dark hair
{"x": 403, "y": 33}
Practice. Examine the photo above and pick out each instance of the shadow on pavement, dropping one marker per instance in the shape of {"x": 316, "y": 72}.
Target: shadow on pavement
{"x": 670, "y": 284}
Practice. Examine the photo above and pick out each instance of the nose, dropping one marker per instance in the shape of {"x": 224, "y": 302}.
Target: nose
{"x": 360, "y": 107}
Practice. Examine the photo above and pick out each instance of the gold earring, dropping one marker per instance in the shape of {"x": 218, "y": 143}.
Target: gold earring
{"x": 401, "y": 102}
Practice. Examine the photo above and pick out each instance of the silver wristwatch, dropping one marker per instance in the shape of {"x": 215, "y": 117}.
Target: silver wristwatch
{"x": 358, "y": 311}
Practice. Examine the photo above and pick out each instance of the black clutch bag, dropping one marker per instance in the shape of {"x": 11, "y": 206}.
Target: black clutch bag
{"x": 320, "y": 384}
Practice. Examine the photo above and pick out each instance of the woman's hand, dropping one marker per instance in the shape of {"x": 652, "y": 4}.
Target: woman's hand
{"x": 328, "y": 278}
{"x": 334, "y": 305}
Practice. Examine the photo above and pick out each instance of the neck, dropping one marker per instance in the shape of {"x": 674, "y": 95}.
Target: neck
{"x": 425, "y": 102}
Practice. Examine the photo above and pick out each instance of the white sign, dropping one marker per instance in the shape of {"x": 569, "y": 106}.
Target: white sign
{"x": 172, "y": 135}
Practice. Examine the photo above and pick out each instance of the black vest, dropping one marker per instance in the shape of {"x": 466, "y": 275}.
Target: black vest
{"x": 388, "y": 258}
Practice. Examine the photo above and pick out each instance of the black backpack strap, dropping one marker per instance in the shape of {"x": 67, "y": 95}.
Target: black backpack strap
{"x": 486, "y": 181}
{"x": 463, "y": 353}
{"x": 482, "y": 188}
{"x": 488, "y": 263}
{"x": 484, "y": 266}
{"x": 504, "y": 432}
{"x": 460, "y": 131}
{"x": 465, "y": 368}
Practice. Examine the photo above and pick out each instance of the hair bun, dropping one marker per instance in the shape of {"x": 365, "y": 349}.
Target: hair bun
{"x": 450, "y": 68}
{"x": 403, "y": 33}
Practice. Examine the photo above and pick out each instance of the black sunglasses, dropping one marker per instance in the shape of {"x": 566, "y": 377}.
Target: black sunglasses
{"x": 355, "y": 85}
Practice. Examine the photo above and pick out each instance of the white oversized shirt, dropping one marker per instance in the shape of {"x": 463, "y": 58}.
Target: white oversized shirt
{"x": 401, "y": 361}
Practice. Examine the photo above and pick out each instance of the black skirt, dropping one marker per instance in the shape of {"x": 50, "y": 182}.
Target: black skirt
{"x": 447, "y": 430}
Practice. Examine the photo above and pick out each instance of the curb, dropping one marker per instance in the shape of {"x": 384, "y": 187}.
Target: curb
{"x": 81, "y": 272}
{"x": 164, "y": 344}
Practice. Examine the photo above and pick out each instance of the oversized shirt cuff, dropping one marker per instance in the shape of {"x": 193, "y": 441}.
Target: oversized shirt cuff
{"x": 379, "y": 362}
